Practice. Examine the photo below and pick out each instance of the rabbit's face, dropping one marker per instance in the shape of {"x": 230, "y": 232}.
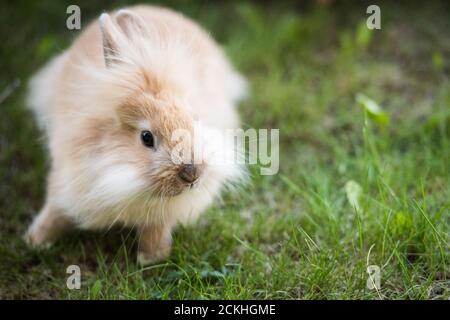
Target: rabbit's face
{"x": 159, "y": 136}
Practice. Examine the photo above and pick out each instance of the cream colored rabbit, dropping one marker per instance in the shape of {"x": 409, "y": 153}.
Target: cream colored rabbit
{"x": 110, "y": 105}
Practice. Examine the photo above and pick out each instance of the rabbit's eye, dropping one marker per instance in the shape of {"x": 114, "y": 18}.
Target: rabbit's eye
{"x": 147, "y": 139}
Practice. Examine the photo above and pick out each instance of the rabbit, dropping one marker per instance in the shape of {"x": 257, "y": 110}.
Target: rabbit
{"x": 109, "y": 107}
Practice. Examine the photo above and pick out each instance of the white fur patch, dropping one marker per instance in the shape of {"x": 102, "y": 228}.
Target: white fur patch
{"x": 118, "y": 181}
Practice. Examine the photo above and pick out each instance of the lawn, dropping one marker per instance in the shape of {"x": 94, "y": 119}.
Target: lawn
{"x": 356, "y": 186}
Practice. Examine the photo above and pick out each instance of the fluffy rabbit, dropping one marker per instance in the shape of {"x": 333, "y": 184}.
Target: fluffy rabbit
{"x": 110, "y": 106}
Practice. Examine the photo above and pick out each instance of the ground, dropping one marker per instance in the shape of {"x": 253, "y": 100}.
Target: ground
{"x": 356, "y": 186}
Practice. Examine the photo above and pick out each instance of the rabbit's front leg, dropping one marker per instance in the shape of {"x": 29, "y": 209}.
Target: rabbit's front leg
{"x": 46, "y": 227}
{"x": 155, "y": 243}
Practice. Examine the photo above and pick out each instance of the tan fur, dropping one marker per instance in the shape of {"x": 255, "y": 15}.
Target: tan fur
{"x": 163, "y": 71}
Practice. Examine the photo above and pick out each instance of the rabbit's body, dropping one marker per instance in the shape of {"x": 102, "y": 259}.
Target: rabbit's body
{"x": 147, "y": 69}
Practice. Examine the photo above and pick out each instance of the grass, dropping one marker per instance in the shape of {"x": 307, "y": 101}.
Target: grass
{"x": 352, "y": 191}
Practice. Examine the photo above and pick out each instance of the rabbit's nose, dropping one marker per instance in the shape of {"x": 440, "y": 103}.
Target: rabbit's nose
{"x": 189, "y": 173}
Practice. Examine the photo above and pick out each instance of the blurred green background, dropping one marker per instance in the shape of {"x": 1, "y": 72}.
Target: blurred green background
{"x": 364, "y": 119}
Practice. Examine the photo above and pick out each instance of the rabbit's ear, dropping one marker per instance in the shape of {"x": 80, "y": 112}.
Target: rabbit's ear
{"x": 130, "y": 23}
{"x": 111, "y": 39}
{"x": 117, "y": 33}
